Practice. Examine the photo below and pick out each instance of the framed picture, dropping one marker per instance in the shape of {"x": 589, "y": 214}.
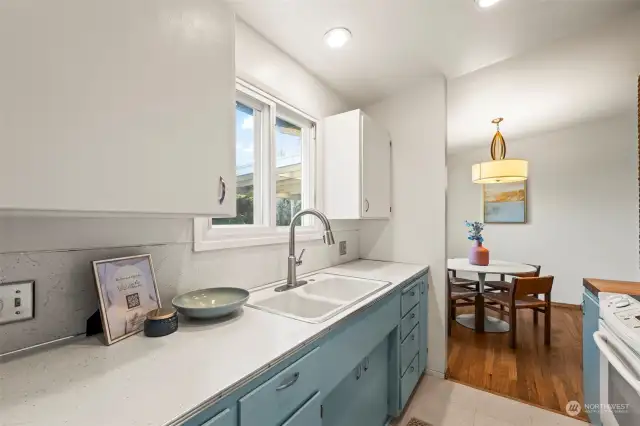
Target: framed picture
{"x": 505, "y": 202}
{"x": 127, "y": 291}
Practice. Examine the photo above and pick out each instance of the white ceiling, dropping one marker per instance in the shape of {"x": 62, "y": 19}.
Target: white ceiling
{"x": 540, "y": 64}
{"x": 397, "y": 42}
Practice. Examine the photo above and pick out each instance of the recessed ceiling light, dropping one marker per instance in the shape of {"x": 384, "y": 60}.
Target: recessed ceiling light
{"x": 486, "y": 3}
{"x": 335, "y": 38}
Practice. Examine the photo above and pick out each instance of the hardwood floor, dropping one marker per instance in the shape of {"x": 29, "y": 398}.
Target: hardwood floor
{"x": 546, "y": 376}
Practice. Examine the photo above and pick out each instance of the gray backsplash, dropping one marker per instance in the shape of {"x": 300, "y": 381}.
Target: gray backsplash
{"x": 65, "y": 290}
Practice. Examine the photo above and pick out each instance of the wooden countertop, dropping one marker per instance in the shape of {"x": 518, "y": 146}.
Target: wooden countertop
{"x": 596, "y": 285}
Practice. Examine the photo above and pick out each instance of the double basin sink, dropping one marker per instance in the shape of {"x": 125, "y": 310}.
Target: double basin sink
{"x": 324, "y": 296}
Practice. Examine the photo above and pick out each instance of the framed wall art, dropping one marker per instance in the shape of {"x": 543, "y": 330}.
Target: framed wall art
{"x": 505, "y": 202}
{"x": 127, "y": 291}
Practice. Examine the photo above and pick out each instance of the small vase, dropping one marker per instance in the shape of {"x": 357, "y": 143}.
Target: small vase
{"x": 478, "y": 255}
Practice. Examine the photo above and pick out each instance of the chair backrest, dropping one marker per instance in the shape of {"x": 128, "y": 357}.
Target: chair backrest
{"x": 523, "y": 286}
{"x": 530, "y": 274}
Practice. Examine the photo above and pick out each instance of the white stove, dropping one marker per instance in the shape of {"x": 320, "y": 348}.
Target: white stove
{"x": 618, "y": 339}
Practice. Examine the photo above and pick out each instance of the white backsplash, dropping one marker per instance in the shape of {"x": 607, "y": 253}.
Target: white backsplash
{"x": 65, "y": 289}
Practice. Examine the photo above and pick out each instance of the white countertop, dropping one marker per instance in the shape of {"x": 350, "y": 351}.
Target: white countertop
{"x": 146, "y": 381}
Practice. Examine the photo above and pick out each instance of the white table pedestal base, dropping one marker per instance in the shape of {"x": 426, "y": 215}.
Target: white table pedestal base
{"x": 491, "y": 324}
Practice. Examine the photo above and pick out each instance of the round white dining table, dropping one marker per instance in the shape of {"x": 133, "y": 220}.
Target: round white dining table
{"x": 479, "y": 321}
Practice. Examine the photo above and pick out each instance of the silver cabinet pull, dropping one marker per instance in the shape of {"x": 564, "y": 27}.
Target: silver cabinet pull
{"x": 366, "y": 363}
{"x": 358, "y": 371}
{"x": 413, "y": 293}
{"x": 413, "y": 369}
{"x": 367, "y": 203}
{"x": 413, "y": 316}
{"x": 223, "y": 190}
{"x": 290, "y": 382}
{"x": 413, "y": 337}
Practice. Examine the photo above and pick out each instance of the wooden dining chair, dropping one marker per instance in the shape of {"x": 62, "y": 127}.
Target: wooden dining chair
{"x": 459, "y": 296}
{"x": 504, "y": 286}
{"x": 463, "y": 282}
{"x": 521, "y": 296}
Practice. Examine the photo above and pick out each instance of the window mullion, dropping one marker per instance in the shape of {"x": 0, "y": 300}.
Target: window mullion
{"x": 269, "y": 161}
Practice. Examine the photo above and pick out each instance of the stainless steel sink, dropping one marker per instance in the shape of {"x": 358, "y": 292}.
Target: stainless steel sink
{"x": 324, "y": 296}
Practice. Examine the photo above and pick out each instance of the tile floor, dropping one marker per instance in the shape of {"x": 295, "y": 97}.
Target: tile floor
{"x": 444, "y": 403}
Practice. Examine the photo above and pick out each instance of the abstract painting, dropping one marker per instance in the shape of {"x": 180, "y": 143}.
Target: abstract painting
{"x": 505, "y": 202}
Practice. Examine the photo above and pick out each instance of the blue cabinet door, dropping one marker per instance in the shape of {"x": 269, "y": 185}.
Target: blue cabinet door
{"x": 361, "y": 398}
{"x": 424, "y": 325}
{"x": 590, "y": 354}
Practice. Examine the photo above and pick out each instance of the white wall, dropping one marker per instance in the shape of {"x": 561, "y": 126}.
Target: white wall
{"x": 416, "y": 120}
{"x": 56, "y": 251}
{"x": 582, "y": 204}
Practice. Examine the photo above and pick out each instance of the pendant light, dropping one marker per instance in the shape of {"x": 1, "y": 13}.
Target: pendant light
{"x": 499, "y": 170}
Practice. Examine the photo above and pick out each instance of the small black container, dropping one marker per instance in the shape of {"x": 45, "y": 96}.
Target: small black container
{"x": 161, "y": 322}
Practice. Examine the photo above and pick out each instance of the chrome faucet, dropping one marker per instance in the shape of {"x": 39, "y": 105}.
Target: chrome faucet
{"x": 292, "y": 280}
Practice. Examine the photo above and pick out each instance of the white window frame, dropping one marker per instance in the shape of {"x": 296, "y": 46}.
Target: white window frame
{"x": 209, "y": 237}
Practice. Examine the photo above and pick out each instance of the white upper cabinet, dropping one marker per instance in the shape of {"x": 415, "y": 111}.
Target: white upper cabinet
{"x": 357, "y": 167}
{"x": 117, "y": 107}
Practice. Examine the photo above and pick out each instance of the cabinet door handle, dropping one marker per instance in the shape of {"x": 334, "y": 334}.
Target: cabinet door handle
{"x": 366, "y": 363}
{"x": 289, "y": 383}
{"x": 358, "y": 372}
{"x": 413, "y": 337}
{"x": 413, "y": 369}
{"x": 366, "y": 209}
{"x": 413, "y": 316}
{"x": 223, "y": 190}
{"x": 413, "y": 293}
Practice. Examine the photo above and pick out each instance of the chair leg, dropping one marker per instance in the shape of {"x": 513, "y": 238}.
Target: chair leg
{"x": 452, "y": 310}
{"x": 535, "y": 313}
{"x": 513, "y": 321}
{"x": 501, "y": 311}
{"x": 547, "y": 321}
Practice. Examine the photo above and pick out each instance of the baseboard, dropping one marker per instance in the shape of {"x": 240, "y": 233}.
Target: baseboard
{"x": 566, "y": 306}
{"x": 435, "y": 373}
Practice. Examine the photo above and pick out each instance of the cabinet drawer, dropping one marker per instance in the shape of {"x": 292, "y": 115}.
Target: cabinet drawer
{"x": 308, "y": 415}
{"x": 410, "y": 297}
{"x": 271, "y": 402}
{"x": 408, "y": 322}
{"x": 409, "y": 349}
{"x": 227, "y": 417}
{"x": 409, "y": 381}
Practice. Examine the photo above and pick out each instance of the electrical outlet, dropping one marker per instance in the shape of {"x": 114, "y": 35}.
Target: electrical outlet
{"x": 343, "y": 248}
{"x": 16, "y": 301}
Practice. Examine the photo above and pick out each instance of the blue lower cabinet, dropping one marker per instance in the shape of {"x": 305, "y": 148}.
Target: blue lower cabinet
{"x": 273, "y": 401}
{"x": 409, "y": 349}
{"x": 359, "y": 374}
{"x": 424, "y": 323}
{"x": 590, "y": 354}
{"x": 228, "y": 417}
{"x": 310, "y": 414}
{"x": 409, "y": 381}
{"x": 360, "y": 399}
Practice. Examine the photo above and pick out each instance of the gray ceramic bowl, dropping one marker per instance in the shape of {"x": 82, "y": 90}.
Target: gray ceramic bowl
{"x": 210, "y": 302}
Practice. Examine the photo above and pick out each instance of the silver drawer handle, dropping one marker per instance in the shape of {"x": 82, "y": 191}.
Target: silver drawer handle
{"x": 413, "y": 369}
{"x": 367, "y": 202}
{"x": 413, "y": 293}
{"x": 293, "y": 379}
{"x": 413, "y": 316}
{"x": 413, "y": 337}
{"x": 223, "y": 190}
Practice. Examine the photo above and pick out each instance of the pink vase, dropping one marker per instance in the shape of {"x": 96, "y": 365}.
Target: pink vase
{"x": 478, "y": 255}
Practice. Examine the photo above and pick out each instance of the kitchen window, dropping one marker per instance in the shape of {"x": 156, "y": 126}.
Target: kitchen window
{"x": 275, "y": 175}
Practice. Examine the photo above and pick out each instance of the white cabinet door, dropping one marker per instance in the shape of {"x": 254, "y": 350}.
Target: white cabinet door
{"x": 376, "y": 170}
{"x": 117, "y": 106}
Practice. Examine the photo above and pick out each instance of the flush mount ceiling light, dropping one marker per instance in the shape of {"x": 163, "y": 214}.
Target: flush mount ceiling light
{"x": 486, "y": 3}
{"x": 335, "y": 38}
{"x": 499, "y": 170}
